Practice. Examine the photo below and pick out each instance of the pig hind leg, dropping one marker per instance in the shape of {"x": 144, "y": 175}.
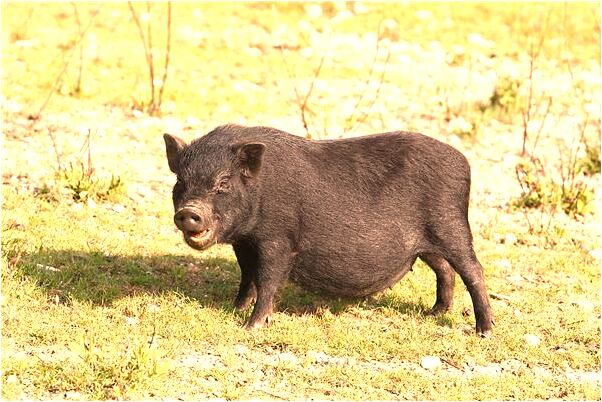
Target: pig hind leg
{"x": 455, "y": 244}
{"x": 248, "y": 261}
{"x": 445, "y": 282}
{"x": 466, "y": 264}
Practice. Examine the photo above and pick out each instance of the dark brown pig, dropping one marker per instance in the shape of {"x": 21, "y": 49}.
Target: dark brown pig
{"x": 345, "y": 217}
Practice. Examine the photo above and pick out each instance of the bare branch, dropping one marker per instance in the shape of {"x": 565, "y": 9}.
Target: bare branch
{"x": 167, "y": 51}
{"x": 303, "y": 107}
{"x": 90, "y": 168}
{"x": 57, "y": 154}
{"x": 147, "y": 53}
{"x": 151, "y": 64}
{"x": 381, "y": 79}
{"x": 81, "y": 49}
{"x": 543, "y": 122}
{"x": 66, "y": 62}
{"x": 370, "y": 72}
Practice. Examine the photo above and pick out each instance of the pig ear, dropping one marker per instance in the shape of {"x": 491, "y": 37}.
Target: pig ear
{"x": 249, "y": 158}
{"x": 173, "y": 146}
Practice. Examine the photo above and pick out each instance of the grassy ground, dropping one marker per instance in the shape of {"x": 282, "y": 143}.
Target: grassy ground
{"x": 101, "y": 299}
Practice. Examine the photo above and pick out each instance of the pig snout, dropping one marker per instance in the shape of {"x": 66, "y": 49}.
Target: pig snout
{"x": 196, "y": 226}
{"x": 189, "y": 219}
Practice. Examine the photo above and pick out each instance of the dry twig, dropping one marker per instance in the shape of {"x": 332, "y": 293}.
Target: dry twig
{"x": 154, "y": 105}
{"x": 66, "y": 62}
{"x": 303, "y": 103}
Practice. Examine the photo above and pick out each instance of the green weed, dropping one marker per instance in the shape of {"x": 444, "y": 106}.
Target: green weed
{"x": 590, "y": 164}
{"x": 540, "y": 191}
{"x": 505, "y": 94}
{"x": 108, "y": 303}
{"x": 84, "y": 184}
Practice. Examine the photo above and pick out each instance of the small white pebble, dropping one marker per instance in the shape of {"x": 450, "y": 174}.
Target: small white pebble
{"x": 492, "y": 370}
{"x": 12, "y": 379}
{"x": 288, "y": 357}
{"x": 318, "y": 357}
{"x": 595, "y": 253}
{"x": 48, "y": 268}
{"x": 118, "y": 208}
{"x": 532, "y": 340}
{"x": 314, "y": 10}
{"x": 192, "y": 121}
{"x": 430, "y": 362}
{"x": 72, "y": 395}
{"x": 510, "y": 239}
{"x": 584, "y": 305}
{"x": 241, "y": 349}
{"x": 506, "y": 264}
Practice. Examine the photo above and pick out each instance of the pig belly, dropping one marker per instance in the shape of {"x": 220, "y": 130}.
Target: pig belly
{"x": 350, "y": 275}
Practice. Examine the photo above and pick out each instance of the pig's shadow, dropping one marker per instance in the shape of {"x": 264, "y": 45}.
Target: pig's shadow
{"x": 101, "y": 279}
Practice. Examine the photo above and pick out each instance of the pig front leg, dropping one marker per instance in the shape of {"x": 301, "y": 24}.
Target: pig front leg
{"x": 445, "y": 282}
{"x": 272, "y": 272}
{"x": 248, "y": 261}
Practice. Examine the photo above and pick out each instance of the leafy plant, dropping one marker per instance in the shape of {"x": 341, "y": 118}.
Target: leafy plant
{"x": 505, "y": 94}
{"x": 463, "y": 128}
{"x": 591, "y": 163}
{"x": 83, "y": 184}
{"x": 538, "y": 190}
{"x": 156, "y": 94}
{"x": 79, "y": 180}
{"x": 534, "y": 187}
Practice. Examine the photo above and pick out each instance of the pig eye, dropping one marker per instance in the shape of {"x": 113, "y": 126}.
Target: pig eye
{"x": 222, "y": 186}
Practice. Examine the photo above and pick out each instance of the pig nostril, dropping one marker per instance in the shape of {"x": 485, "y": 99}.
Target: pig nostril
{"x": 187, "y": 219}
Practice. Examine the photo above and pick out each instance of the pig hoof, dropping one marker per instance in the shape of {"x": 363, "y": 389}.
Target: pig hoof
{"x": 243, "y": 303}
{"x": 439, "y": 309}
{"x": 484, "y": 334}
{"x": 253, "y": 324}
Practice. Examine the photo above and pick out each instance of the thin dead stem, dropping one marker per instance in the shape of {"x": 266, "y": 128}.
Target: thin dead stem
{"x": 154, "y": 105}
{"x": 167, "y": 52}
{"x": 370, "y": 72}
{"x": 66, "y": 62}
{"x": 534, "y": 52}
{"x": 303, "y": 103}
{"x": 78, "y": 86}
{"x": 151, "y": 64}
{"x": 543, "y": 122}
{"x": 57, "y": 154}
{"x": 381, "y": 79}
{"x": 365, "y": 114}
{"x": 147, "y": 51}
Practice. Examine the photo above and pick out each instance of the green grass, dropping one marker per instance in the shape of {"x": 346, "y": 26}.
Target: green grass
{"x": 224, "y": 60}
{"x": 101, "y": 299}
{"x": 87, "y": 327}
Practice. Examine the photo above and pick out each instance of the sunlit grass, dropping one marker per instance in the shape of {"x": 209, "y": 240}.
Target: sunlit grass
{"x": 160, "y": 315}
{"x": 103, "y": 300}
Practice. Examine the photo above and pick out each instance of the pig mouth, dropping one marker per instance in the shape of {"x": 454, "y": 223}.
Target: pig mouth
{"x": 199, "y": 240}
